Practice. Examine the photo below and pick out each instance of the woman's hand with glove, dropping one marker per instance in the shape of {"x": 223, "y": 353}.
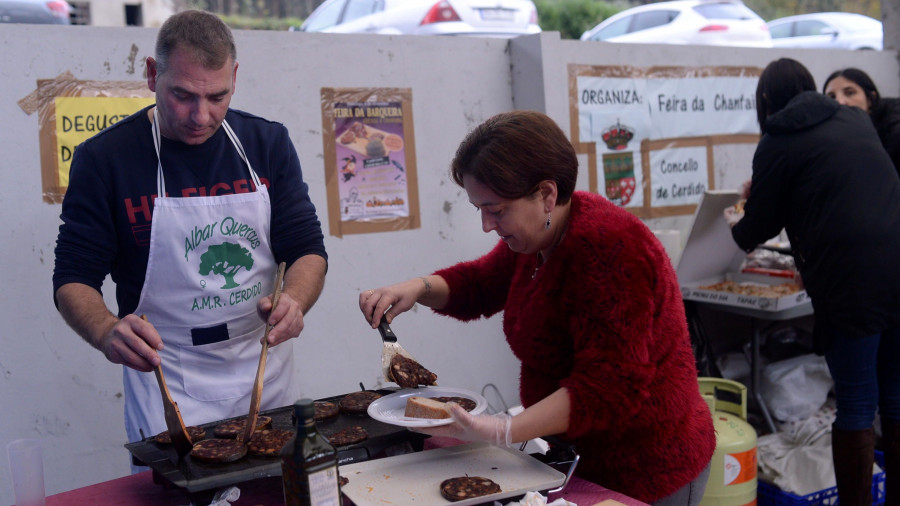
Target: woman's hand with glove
{"x": 494, "y": 429}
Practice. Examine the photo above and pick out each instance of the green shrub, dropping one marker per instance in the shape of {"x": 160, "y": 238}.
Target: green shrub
{"x": 251, "y": 23}
{"x": 572, "y": 17}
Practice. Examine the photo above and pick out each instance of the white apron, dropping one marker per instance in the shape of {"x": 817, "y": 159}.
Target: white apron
{"x": 210, "y": 261}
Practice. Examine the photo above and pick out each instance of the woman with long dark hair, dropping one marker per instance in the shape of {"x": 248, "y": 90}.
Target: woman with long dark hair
{"x": 853, "y": 87}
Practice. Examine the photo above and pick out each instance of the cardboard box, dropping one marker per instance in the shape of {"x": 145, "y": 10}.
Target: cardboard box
{"x": 710, "y": 255}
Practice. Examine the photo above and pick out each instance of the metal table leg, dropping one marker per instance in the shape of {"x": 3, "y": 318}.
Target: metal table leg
{"x": 755, "y": 375}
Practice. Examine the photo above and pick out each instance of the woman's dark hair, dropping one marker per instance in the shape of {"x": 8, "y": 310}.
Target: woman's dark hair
{"x": 862, "y": 80}
{"x": 512, "y": 152}
{"x": 782, "y": 80}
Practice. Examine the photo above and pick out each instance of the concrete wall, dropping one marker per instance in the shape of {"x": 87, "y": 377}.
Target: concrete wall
{"x": 56, "y": 388}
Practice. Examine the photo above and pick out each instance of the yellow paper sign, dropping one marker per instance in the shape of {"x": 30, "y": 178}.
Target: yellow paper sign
{"x": 79, "y": 118}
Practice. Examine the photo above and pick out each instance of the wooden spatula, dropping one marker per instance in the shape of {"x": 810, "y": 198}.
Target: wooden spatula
{"x": 181, "y": 440}
{"x": 256, "y": 396}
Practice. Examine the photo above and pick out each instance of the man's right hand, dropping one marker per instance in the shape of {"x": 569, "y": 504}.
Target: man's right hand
{"x": 132, "y": 342}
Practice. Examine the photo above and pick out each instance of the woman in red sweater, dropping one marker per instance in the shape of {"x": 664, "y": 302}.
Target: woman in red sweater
{"x": 592, "y": 309}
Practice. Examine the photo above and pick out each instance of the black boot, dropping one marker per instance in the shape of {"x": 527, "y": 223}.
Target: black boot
{"x": 853, "y": 452}
{"x": 891, "y": 446}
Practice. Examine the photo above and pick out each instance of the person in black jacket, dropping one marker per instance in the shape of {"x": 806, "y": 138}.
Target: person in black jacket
{"x": 855, "y": 88}
{"x": 821, "y": 173}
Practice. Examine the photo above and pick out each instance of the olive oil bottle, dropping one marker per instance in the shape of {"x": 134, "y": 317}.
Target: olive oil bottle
{"x": 309, "y": 463}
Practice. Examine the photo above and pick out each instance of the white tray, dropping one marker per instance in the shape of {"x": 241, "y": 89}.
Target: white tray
{"x": 415, "y": 478}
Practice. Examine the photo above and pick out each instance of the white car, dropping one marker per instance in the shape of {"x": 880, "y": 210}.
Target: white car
{"x": 54, "y": 12}
{"x": 831, "y": 30}
{"x": 707, "y": 22}
{"x": 489, "y": 18}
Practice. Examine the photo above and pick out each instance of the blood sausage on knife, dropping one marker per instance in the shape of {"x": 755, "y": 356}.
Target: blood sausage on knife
{"x": 408, "y": 373}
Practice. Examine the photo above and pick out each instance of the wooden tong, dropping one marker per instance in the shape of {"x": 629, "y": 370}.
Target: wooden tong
{"x": 256, "y": 396}
{"x": 180, "y": 438}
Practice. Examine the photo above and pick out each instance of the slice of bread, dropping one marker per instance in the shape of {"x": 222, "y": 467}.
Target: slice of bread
{"x": 423, "y": 407}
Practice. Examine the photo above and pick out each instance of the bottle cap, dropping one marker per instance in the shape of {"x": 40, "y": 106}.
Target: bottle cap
{"x": 305, "y": 408}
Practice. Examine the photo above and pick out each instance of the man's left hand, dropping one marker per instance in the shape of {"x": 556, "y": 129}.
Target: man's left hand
{"x": 287, "y": 319}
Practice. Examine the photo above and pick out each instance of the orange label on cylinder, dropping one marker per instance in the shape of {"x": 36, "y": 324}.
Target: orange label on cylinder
{"x": 740, "y": 467}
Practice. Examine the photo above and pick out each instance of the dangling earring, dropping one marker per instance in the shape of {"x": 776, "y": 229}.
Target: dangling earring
{"x": 547, "y": 225}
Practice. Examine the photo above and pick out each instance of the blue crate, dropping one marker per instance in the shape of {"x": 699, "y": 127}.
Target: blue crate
{"x": 770, "y": 495}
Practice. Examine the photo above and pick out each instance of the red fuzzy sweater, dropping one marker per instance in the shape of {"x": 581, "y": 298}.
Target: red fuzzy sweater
{"x": 605, "y": 319}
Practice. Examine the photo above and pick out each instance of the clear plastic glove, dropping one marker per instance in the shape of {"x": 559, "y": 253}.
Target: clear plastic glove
{"x": 494, "y": 429}
{"x": 732, "y": 216}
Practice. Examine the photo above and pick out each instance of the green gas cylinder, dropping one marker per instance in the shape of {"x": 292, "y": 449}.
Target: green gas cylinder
{"x": 732, "y": 475}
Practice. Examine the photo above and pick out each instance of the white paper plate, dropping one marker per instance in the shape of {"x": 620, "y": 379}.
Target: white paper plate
{"x": 390, "y": 408}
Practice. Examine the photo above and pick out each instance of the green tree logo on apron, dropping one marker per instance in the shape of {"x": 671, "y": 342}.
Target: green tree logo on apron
{"x": 226, "y": 259}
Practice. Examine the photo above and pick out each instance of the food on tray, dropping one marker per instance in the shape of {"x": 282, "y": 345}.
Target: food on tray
{"x": 219, "y": 450}
{"x": 268, "y": 442}
{"x": 464, "y": 402}
{"x": 343, "y": 480}
{"x": 325, "y": 410}
{"x": 348, "y": 137}
{"x": 393, "y": 142}
{"x": 408, "y": 373}
{"x": 375, "y": 147}
{"x": 359, "y": 130}
{"x": 467, "y": 487}
{"x": 358, "y": 402}
{"x": 234, "y": 428}
{"x": 754, "y": 289}
{"x": 424, "y": 407}
{"x": 194, "y": 432}
{"x": 348, "y": 436}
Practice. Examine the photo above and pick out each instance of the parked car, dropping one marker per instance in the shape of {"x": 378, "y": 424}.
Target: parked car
{"x": 709, "y": 22}
{"x": 831, "y": 30}
{"x": 35, "y": 11}
{"x": 493, "y": 18}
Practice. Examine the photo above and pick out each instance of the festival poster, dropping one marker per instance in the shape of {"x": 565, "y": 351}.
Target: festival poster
{"x": 370, "y": 160}
{"x": 650, "y": 133}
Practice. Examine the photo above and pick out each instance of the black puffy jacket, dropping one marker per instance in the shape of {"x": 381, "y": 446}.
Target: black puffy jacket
{"x": 821, "y": 173}
{"x": 887, "y": 122}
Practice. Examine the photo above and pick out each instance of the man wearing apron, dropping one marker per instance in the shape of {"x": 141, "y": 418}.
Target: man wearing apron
{"x": 225, "y": 205}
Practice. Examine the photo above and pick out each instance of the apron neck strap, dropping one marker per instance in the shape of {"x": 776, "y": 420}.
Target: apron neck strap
{"x": 161, "y": 181}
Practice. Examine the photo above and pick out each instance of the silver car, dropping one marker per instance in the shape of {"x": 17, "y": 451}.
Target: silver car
{"x": 489, "y": 18}
{"x": 35, "y": 11}
{"x": 831, "y": 30}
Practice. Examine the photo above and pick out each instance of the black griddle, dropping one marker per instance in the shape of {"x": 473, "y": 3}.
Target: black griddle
{"x": 197, "y": 477}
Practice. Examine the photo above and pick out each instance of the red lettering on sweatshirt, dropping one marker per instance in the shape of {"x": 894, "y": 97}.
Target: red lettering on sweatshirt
{"x": 143, "y": 212}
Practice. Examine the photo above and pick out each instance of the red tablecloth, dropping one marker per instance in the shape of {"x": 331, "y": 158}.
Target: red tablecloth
{"x": 139, "y": 490}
